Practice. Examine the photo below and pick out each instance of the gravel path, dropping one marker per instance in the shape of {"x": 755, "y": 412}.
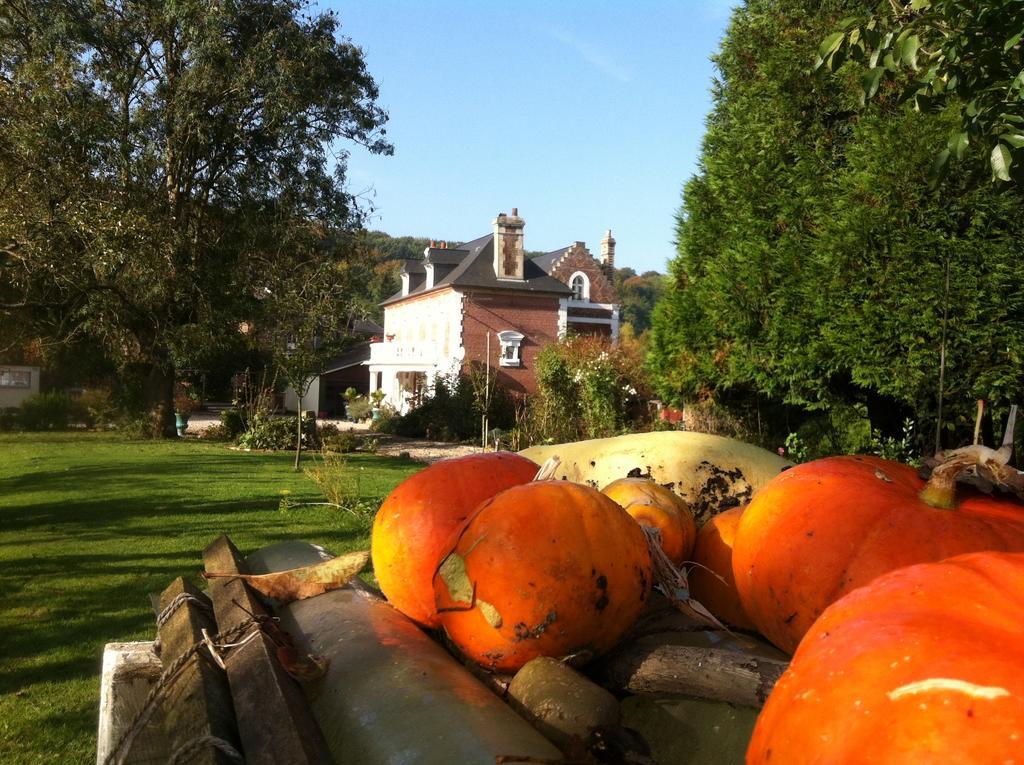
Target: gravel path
{"x": 423, "y": 451}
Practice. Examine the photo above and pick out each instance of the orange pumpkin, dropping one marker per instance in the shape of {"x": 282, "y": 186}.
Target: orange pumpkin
{"x": 654, "y": 506}
{"x": 550, "y": 568}
{"x": 821, "y": 529}
{"x": 711, "y": 581}
{"x": 417, "y": 522}
{"x": 923, "y": 665}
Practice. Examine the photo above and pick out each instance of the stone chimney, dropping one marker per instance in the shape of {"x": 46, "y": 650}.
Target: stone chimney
{"x": 508, "y": 245}
{"x": 608, "y": 252}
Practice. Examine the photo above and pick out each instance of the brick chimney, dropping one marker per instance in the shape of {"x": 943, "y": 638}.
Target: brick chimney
{"x": 608, "y": 252}
{"x": 508, "y": 245}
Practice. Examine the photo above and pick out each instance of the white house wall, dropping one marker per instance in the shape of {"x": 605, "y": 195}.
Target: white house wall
{"x": 13, "y": 396}
{"x": 310, "y": 401}
{"x": 423, "y": 335}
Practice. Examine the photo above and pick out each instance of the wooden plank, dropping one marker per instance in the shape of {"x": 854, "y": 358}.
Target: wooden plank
{"x": 274, "y": 720}
{"x": 703, "y": 669}
{"x": 197, "y": 701}
{"x": 130, "y": 670}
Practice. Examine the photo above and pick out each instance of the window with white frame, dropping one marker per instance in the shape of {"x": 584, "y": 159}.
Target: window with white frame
{"x": 580, "y": 286}
{"x": 510, "y": 348}
{"x": 15, "y": 378}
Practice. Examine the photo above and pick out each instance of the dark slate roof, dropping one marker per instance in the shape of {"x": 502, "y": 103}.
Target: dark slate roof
{"x": 475, "y": 268}
{"x": 548, "y": 260}
{"x": 448, "y": 257}
{"x": 366, "y": 327}
{"x": 350, "y": 358}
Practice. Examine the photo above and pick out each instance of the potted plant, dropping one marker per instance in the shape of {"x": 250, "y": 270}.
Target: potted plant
{"x": 377, "y": 397}
{"x": 350, "y": 395}
{"x": 186, "y": 401}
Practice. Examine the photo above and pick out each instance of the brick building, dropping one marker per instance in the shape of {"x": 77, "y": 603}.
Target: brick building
{"x": 485, "y": 304}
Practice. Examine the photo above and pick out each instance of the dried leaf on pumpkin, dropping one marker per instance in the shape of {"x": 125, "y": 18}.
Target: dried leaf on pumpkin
{"x": 305, "y": 582}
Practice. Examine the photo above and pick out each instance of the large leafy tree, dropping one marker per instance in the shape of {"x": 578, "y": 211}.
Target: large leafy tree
{"x": 166, "y": 166}
{"x": 947, "y": 52}
{"x": 813, "y": 255}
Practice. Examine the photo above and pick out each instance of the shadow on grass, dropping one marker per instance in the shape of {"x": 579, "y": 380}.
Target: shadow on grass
{"x": 90, "y": 525}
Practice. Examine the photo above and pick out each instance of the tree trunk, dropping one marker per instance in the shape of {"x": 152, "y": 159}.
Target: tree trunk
{"x": 298, "y": 437}
{"x": 158, "y": 393}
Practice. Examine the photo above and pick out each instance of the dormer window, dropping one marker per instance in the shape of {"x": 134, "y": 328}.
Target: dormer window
{"x": 510, "y": 347}
{"x": 580, "y": 286}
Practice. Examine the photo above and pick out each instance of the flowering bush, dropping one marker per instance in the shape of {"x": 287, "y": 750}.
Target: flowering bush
{"x": 588, "y": 388}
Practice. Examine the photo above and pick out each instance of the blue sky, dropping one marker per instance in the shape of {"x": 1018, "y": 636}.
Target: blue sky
{"x": 585, "y": 116}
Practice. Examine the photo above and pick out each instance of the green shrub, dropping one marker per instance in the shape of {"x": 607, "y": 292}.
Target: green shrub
{"x": 216, "y": 432}
{"x": 46, "y": 411}
{"x": 326, "y": 430}
{"x": 269, "y": 433}
{"x": 587, "y": 388}
{"x": 278, "y": 433}
{"x": 10, "y": 418}
{"x": 341, "y": 485}
{"x": 233, "y": 421}
{"x": 452, "y": 410}
{"x": 148, "y": 427}
{"x": 903, "y": 449}
{"x": 387, "y": 417}
{"x": 345, "y": 441}
{"x": 359, "y": 409}
{"x": 96, "y": 407}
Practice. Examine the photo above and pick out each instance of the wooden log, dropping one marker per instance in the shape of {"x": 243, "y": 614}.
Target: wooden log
{"x": 196, "y": 699}
{"x": 564, "y": 705}
{"x": 130, "y": 670}
{"x": 274, "y": 721}
{"x": 701, "y": 664}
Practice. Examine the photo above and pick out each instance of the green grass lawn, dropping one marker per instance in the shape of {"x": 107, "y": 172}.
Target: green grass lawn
{"x": 90, "y": 524}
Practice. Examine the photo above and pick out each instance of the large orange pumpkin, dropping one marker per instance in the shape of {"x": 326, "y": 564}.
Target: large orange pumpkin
{"x": 656, "y": 507}
{"x": 550, "y": 568}
{"x": 924, "y": 665}
{"x": 711, "y": 580}
{"x": 417, "y": 522}
{"x": 821, "y": 529}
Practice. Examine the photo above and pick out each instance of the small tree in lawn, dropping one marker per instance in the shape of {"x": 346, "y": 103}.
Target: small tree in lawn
{"x": 302, "y": 328}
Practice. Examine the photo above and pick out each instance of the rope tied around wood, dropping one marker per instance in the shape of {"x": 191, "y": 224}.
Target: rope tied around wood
{"x": 120, "y": 751}
{"x": 196, "y": 745}
{"x": 179, "y": 600}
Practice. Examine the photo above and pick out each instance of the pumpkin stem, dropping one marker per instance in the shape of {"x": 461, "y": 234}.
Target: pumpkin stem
{"x": 548, "y": 469}
{"x": 979, "y": 465}
{"x": 673, "y": 582}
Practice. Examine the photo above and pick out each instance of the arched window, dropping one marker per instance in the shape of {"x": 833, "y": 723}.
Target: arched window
{"x": 580, "y": 286}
